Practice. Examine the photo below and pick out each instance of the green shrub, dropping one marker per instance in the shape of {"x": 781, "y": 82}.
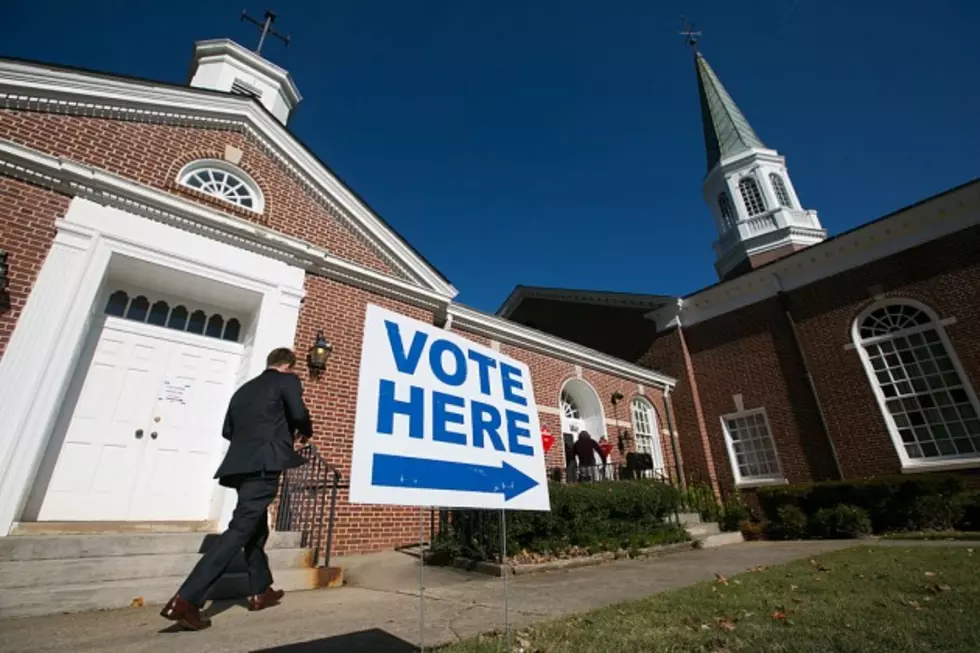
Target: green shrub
{"x": 970, "y": 520}
{"x": 751, "y": 530}
{"x": 936, "y": 513}
{"x": 700, "y": 498}
{"x": 842, "y": 522}
{"x": 790, "y": 524}
{"x": 594, "y": 516}
{"x": 732, "y": 514}
{"x": 888, "y": 500}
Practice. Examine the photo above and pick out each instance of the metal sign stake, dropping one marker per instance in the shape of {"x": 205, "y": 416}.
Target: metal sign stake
{"x": 421, "y": 578}
{"x": 503, "y": 572}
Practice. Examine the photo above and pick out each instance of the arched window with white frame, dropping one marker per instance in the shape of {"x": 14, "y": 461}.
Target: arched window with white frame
{"x": 928, "y": 404}
{"x": 223, "y": 181}
{"x": 728, "y": 218}
{"x": 751, "y": 196}
{"x": 647, "y": 434}
{"x": 780, "y": 190}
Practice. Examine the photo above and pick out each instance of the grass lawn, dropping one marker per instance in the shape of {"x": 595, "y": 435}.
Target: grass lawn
{"x": 862, "y": 600}
{"x": 934, "y": 535}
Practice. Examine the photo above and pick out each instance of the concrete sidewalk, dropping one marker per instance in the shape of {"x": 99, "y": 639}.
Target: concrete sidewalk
{"x": 381, "y": 613}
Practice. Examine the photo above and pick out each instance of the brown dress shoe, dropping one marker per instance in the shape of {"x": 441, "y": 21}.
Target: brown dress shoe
{"x": 266, "y": 599}
{"x": 187, "y": 615}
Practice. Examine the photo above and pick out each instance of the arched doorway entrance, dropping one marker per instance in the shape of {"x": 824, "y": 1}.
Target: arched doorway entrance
{"x": 581, "y": 410}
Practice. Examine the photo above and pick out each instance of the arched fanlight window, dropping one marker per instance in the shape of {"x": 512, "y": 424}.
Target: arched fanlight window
{"x": 223, "y": 181}
{"x": 568, "y": 406}
{"x": 751, "y": 196}
{"x": 779, "y": 188}
{"x": 930, "y": 408}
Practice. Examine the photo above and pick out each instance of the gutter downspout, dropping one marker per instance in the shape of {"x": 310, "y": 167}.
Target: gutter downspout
{"x": 673, "y": 437}
{"x": 784, "y": 303}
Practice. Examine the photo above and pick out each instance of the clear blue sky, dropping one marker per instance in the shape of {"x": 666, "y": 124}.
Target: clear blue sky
{"x": 558, "y": 142}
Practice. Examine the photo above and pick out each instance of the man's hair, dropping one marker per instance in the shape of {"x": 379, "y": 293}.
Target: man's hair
{"x": 280, "y": 356}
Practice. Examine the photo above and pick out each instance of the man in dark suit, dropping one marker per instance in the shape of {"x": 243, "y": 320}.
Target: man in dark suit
{"x": 262, "y": 417}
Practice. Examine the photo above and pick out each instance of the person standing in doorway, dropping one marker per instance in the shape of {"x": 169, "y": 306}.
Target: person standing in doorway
{"x": 262, "y": 419}
{"x": 585, "y": 450}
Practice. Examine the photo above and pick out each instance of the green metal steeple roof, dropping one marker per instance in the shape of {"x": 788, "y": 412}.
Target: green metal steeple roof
{"x": 726, "y": 131}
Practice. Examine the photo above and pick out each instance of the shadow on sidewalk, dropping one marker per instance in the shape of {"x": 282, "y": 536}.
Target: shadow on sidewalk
{"x": 365, "y": 641}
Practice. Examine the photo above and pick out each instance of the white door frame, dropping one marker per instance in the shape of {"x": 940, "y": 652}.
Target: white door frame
{"x": 43, "y": 350}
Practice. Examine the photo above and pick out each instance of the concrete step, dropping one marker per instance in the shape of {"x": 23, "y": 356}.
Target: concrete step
{"x": 61, "y": 547}
{"x": 694, "y": 530}
{"x": 77, "y": 571}
{"x": 720, "y": 539}
{"x": 111, "y": 527}
{"x": 689, "y": 518}
{"x": 35, "y": 601}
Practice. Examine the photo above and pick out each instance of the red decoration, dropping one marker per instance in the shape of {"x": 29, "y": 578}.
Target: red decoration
{"x": 547, "y": 439}
{"x": 606, "y": 447}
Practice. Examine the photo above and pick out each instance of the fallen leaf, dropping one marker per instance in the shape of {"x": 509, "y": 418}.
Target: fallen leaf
{"x": 793, "y": 587}
{"x": 764, "y": 567}
{"x": 137, "y": 602}
{"x": 930, "y": 573}
{"x": 705, "y": 627}
{"x": 914, "y": 605}
{"x": 779, "y": 615}
{"x": 797, "y": 600}
{"x": 725, "y": 624}
{"x": 737, "y": 581}
{"x": 721, "y": 579}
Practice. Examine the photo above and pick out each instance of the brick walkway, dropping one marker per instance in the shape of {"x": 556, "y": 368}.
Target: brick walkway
{"x": 381, "y": 614}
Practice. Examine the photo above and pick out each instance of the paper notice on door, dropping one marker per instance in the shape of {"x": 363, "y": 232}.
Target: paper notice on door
{"x": 175, "y": 391}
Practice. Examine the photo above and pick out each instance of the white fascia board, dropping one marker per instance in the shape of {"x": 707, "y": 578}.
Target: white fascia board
{"x": 917, "y": 225}
{"x": 505, "y": 331}
{"x": 106, "y": 188}
{"x": 98, "y": 95}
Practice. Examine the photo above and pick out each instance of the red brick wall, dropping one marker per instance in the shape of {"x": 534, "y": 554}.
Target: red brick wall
{"x": 751, "y": 352}
{"x": 153, "y": 154}
{"x": 27, "y": 215}
{"x": 944, "y": 275}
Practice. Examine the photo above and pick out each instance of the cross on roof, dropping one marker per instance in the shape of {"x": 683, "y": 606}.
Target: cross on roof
{"x": 690, "y": 36}
{"x": 266, "y": 26}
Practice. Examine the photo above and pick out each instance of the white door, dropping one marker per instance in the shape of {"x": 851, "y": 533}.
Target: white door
{"x": 144, "y": 438}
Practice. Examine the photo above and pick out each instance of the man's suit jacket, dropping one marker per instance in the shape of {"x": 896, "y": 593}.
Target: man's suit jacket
{"x": 262, "y": 416}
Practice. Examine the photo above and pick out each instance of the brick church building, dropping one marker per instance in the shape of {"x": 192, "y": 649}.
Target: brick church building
{"x": 164, "y": 238}
{"x": 812, "y": 358}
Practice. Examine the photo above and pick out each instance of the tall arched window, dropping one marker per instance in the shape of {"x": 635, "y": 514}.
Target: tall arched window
{"x": 727, "y": 211}
{"x": 927, "y": 402}
{"x": 223, "y": 181}
{"x": 647, "y": 436}
{"x": 751, "y": 196}
{"x": 779, "y": 187}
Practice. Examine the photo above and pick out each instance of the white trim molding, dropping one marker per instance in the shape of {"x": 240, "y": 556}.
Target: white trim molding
{"x": 756, "y": 481}
{"x": 938, "y": 408}
{"x": 47, "y": 88}
{"x": 106, "y": 188}
{"x": 931, "y": 219}
{"x": 46, "y": 343}
{"x": 511, "y": 333}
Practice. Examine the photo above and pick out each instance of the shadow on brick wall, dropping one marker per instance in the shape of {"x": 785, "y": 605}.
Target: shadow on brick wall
{"x": 365, "y": 641}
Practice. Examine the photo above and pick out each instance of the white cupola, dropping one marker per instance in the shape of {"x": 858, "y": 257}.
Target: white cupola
{"x": 223, "y": 65}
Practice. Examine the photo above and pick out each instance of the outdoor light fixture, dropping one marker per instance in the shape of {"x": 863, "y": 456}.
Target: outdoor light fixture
{"x": 319, "y": 353}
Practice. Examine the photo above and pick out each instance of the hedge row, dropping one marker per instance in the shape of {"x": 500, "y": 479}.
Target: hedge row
{"x": 892, "y": 503}
{"x": 595, "y": 516}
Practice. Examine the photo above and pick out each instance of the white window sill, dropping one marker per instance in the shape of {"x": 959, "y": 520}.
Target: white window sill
{"x": 760, "y": 482}
{"x": 939, "y": 465}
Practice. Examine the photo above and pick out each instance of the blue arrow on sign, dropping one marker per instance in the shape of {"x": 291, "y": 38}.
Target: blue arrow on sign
{"x": 425, "y": 474}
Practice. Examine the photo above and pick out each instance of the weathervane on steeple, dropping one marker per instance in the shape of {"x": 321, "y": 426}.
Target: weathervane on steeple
{"x": 266, "y": 26}
{"x": 690, "y": 36}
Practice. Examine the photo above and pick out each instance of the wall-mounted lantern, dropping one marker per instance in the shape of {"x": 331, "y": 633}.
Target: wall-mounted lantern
{"x": 318, "y": 355}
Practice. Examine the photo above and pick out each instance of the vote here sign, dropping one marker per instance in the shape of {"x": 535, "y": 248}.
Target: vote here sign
{"x": 442, "y": 421}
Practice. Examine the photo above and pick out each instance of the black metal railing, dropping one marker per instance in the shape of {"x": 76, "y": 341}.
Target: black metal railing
{"x": 304, "y": 495}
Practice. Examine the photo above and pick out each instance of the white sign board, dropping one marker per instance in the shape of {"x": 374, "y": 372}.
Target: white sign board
{"x": 443, "y": 421}
{"x": 174, "y": 391}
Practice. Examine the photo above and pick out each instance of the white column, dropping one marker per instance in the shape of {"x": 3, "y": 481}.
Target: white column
{"x": 41, "y": 356}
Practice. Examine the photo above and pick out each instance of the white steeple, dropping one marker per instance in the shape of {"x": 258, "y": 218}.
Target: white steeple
{"x": 223, "y": 65}
{"x": 747, "y": 188}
